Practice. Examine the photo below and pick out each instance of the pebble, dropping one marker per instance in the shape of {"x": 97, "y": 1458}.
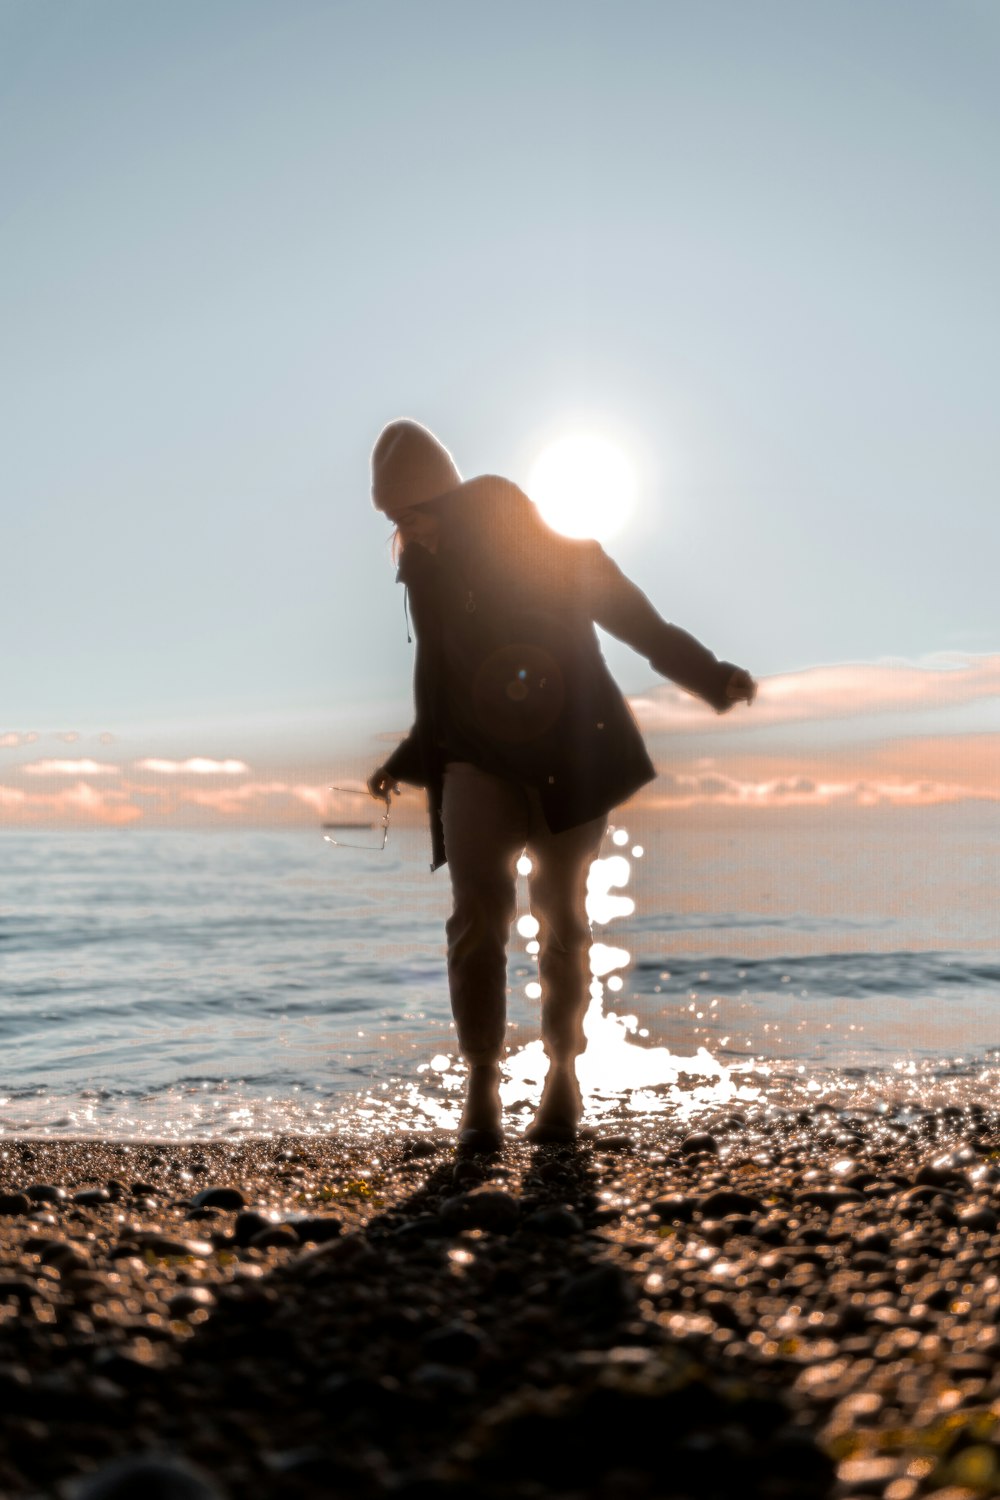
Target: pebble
{"x": 192, "y": 1299}
{"x": 425, "y": 1357}
{"x": 148, "y": 1478}
{"x": 45, "y": 1192}
{"x": 599, "y": 1295}
{"x": 558, "y": 1221}
{"x": 482, "y": 1208}
{"x": 699, "y": 1144}
{"x": 317, "y": 1228}
{"x": 248, "y": 1224}
{"x": 276, "y": 1237}
{"x": 725, "y": 1201}
{"x": 219, "y": 1197}
{"x": 452, "y": 1344}
{"x": 674, "y": 1208}
{"x": 166, "y": 1245}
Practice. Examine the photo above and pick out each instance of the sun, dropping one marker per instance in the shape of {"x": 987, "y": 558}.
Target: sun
{"x": 584, "y": 486}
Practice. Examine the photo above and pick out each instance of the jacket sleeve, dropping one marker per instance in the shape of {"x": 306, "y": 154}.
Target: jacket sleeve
{"x": 621, "y": 608}
{"x": 406, "y": 762}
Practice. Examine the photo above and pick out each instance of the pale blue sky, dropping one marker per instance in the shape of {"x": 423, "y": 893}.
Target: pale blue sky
{"x": 757, "y": 242}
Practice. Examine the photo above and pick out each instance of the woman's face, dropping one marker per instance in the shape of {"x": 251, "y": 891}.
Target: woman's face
{"x": 418, "y": 524}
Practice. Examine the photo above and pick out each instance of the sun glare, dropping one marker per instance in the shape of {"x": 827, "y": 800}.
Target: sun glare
{"x": 583, "y": 485}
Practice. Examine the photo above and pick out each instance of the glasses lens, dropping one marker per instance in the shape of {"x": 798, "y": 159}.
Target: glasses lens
{"x": 356, "y": 820}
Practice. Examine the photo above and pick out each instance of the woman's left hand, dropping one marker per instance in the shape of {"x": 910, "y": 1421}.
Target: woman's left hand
{"x": 741, "y": 687}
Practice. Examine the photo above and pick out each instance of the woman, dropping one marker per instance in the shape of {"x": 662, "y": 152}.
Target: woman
{"x": 522, "y": 740}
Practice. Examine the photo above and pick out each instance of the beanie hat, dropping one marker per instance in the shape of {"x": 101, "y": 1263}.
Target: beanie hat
{"x": 410, "y": 467}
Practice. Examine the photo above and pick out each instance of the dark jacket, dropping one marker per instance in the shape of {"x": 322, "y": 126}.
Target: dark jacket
{"x": 509, "y": 671}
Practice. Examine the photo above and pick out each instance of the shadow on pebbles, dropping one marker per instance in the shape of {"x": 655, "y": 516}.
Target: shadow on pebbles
{"x": 783, "y": 1306}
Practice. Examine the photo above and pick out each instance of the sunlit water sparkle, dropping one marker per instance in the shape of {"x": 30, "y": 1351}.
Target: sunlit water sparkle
{"x": 189, "y": 985}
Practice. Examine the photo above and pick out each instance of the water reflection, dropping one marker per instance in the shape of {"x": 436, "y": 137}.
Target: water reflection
{"x": 619, "y": 1076}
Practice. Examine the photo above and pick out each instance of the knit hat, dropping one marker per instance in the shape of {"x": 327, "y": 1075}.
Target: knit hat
{"x": 410, "y": 467}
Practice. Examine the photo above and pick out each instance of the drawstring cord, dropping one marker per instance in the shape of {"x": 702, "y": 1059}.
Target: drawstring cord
{"x": 406, "y": 615}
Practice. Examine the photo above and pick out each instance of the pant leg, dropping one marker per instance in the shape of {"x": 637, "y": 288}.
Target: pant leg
{"x": 557, "y": 887}
{"x": 485, "y": 826}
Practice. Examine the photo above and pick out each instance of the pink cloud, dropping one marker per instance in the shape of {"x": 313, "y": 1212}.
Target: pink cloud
{"x": 12, "y": 740}
{"x": 673, "y": 790}
{"x": 81, "y": 804}
{"x": 197, "y": 765}
{"x": 848, "y": 690}
{"x": 77, "y": 767}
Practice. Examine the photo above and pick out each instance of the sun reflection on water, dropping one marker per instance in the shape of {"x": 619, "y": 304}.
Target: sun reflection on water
{"x": 619, "y": 1076}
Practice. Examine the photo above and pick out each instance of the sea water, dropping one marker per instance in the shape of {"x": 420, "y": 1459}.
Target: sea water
{"x": 203, "y": 983}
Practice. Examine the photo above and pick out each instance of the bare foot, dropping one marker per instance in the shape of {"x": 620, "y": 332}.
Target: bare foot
{"x": 561, "y": 1106}
{"x": 480, "y": 1127}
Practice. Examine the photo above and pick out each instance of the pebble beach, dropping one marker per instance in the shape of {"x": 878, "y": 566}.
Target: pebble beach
{"x": 781, "y": 1304}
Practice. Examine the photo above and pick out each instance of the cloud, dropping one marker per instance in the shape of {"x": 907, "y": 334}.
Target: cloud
{"x": 802, "y": 791}
{"x": 846, "y": 691}
{"x": 77, "y": 767}
{"x": 197, "y": 765}
{"x": 899, "y": 773}
{"x": 12, "y": 740}
{"x": 81, "y": 804}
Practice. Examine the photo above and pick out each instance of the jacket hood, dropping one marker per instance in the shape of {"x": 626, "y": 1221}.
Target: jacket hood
{"x": 410, "y": 466}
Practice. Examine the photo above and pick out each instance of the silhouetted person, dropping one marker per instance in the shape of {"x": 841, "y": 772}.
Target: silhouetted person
{"x": 522, "y": 739}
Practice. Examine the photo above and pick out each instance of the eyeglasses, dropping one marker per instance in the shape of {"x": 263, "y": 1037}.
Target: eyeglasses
{"x": 359, "y": 828}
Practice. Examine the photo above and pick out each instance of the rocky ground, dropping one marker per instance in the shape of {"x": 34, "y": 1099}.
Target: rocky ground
{"x": 783, "y": 1305}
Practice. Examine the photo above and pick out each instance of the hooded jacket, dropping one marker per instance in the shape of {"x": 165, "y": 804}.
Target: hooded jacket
{"x": 509, "y": 672}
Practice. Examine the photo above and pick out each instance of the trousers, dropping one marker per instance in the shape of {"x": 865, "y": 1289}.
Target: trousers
{"x": 488, "y": 823}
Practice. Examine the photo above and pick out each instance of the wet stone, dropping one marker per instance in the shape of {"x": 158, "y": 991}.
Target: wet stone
{"x": 320, "y": 1228}
{"x": 65, "y": 1257}
{"x": 14, "y": 1204}
{"x": 601, "y": 1295}
{"x": 92, "y": 1197}
{"x": 276, "y": 1237}
{"x": 45, "y": 1192}
{"x": 419, "y": 1146}
{"x": 873, "y": 1240}
{"x": 248, "y": 1225}
{"x": 700, "y": 1144}
{"x": 726, "y": 1201}
{"x": 675, "y": 1207}
{"x": 559, "y": 1222}
{"x": 467, "y": 1173}
{"x": 219, "y": 1197}
{"x": 156, "y": 1477}
{"x": 166, "y": 1246}
{"x": 829, "y": 1198}
{"x": 482, "y": 1208}
{"x": 615, "y": 1143}
{"x": 454, "y": 1344}
{"x": 979, "y": 1218}
{"x": 191, "y": 1299}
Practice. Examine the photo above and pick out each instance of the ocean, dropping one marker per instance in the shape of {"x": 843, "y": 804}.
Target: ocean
{"x": 170, "y": 984}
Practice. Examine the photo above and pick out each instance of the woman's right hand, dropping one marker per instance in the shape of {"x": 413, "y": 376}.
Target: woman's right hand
{"x": 381, "y": 784}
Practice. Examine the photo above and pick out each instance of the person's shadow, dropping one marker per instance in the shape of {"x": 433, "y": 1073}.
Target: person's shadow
{"x": 480, "y": 1336}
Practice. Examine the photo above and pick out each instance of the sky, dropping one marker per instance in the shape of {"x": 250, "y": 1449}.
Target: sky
{"x": 754, "y": 242}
